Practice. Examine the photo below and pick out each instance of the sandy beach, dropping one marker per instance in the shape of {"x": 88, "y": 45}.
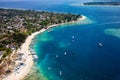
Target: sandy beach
{"x": 27, "y": 60}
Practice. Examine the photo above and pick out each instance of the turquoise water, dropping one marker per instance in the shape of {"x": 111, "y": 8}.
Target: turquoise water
{"x": 72, "y": 52}
{"x": 85, "y": 59}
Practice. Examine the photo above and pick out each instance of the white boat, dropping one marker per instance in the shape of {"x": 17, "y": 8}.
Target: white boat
{"x": 49, "y": 68}
{"x": 31, "y": 50}
{"x": 60, "y": 72}
{"x": 100, "y": 44}
{"x": 35, "y": 58}
{"x": 50, "y": 30}
{"x": 65, "y": 53}
{"x": 56, "y": 56}
{"x": 73, "y": 37}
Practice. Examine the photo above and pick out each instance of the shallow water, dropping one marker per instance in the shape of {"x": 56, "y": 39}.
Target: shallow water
{"x": 84, "y": 59}
{"x": 80, "y": 57}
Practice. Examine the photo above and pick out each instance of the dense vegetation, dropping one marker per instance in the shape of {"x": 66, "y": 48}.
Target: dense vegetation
{"x": 16, "y": 25}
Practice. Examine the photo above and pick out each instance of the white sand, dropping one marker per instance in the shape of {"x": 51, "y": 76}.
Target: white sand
{"x": 29, "y": 59}
{"x": 24, "y": 70}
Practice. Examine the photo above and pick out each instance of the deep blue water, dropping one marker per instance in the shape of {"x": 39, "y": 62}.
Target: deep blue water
{"x": 85, "y": 59}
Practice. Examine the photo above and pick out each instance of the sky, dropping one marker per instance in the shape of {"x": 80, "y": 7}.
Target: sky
{"x": 44, "y": 0}
{"x": 55, "y": 0}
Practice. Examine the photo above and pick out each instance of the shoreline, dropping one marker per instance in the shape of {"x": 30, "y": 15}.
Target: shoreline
{"x": 24, "y": 70}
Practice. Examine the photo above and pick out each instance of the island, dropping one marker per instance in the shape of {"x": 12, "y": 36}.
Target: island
{"x": 17, "y": 29}
{"x": 103, "y": 3}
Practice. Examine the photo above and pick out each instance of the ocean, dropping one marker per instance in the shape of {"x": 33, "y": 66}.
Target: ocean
{"x": 89, "y": 50}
